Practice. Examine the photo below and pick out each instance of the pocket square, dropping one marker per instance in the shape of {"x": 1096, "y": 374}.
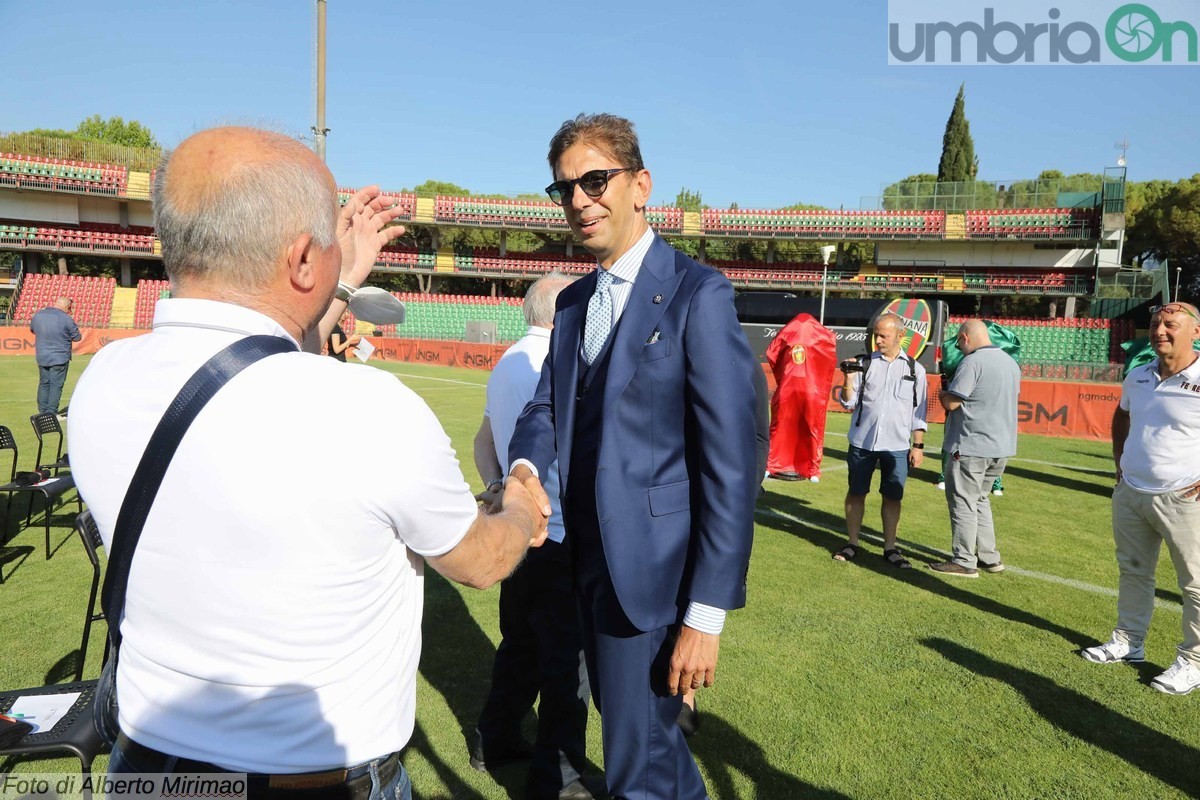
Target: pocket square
{"x": 653, "y": 338}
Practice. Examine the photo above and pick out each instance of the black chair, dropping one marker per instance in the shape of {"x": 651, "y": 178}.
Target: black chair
{"x": 44, "y": 427}
{"x": 75, "y": 733}
{"x": 90, "y": 535}
{"x": 51, "y": 489}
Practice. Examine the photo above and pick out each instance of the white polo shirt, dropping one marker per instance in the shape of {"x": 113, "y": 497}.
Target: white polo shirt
{"x": 513, "y": 383}
{"x": 1162, "y": 451}
{"x": 273, "y": 616}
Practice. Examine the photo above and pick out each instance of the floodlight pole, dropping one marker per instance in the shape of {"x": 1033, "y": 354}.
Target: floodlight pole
{"x": 824, "y": 279}
{"x": 1178, "y": 272}
{"x": 319, "y": 129}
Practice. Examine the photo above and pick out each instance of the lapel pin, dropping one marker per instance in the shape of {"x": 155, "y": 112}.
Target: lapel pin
{"x": 657, "y": 299}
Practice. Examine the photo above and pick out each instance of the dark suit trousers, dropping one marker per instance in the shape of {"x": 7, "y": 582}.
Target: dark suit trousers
{"x": 540, "y": 653}
{"x": 645, "y": 754}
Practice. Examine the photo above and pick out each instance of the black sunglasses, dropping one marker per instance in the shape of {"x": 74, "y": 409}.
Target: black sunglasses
{"x": 593, "y": 183}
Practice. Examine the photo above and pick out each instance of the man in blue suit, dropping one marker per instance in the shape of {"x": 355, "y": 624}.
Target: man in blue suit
{"x": 647, "y": 400}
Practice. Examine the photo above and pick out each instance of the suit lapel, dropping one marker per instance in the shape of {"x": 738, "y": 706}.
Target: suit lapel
{"x": 656, "y": 279}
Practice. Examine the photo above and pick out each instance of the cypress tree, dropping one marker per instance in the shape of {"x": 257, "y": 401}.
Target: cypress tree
{"x": 958, "y": 149}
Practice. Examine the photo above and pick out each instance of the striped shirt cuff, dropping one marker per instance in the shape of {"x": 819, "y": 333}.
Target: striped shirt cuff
{"x": 705, "y": 619}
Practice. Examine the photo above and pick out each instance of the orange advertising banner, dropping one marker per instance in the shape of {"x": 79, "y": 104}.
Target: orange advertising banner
{"x": 1047, "y": 408}
{"x": 18, "y": 341}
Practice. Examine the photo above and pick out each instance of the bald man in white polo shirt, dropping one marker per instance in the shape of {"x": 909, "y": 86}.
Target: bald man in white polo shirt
{"x": 1156, "y": 430}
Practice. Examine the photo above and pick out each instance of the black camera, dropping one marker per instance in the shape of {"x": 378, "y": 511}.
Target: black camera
{"x": 856, "y": 364}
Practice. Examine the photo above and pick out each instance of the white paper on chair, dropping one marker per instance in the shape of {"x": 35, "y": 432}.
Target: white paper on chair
{"x": 43, "y": 711}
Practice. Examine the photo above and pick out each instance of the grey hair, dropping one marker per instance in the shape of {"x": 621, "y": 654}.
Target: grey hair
{"x": 541, "y": 297}
{"x": 243, "y": 222}
{"x": 894, "y": 318}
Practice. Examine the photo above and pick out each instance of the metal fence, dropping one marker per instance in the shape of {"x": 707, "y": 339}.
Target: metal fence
{"x": 969, "y": 195}
{"x": 138, "y": 158}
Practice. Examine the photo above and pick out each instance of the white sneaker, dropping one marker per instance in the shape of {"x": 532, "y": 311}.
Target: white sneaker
{"x": 814, "y": 479}
{"x": 1113, "y": 651}
{"x": 1180, "y": 678}
{"x": 941, "y": 487}
{"x": 998, "y": 492}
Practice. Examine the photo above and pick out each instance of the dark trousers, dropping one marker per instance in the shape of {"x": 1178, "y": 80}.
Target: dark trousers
{"x": 645, "y": 754}
{"x": 540, "y": 653}
{"x": 51, "y": 380}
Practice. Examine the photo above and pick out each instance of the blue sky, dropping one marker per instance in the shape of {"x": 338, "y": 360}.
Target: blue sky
{"x": 759, "y": 103}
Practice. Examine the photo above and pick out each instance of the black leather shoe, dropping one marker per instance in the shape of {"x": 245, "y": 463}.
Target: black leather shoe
{"x": 689, "y": 720}
{"x": 496, "y": 754}
{"x": 577, "y": 791}
{"x": 786, "y": 476}
{"x": 589, "y": 787}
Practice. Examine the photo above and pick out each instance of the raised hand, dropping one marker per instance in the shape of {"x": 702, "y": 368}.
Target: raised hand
{"x": 361, "y": 232}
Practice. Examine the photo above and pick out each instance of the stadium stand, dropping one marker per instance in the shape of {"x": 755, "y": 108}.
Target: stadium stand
{"x": 484, "y": 211}
{"x": 444, "y": 316}
{"x": 92, "y": 297}
{"x": 60, "y": 175}
{"x": 1062, "y": 342}
{"x": 398, "y": 258}
{"x": 405, "y": 200}
{"x": 824, "y": 224}
{"x": 1036, "y": 223}
{"x": 502, "y": 212}
{"x": 1003, "y": 281}
{"x": 90, "y": 237}
{"x": 148, "y": 293}
{"x": 485, "y": 259}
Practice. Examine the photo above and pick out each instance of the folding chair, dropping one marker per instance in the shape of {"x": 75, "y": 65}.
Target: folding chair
{"x": 46, "y": 425}
{"x": 51, "y": 488}
{"x": 89, "y": 534}
{"x": 75, "y": 733}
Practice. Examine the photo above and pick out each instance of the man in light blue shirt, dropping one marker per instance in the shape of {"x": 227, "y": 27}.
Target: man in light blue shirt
{"x": 53, "y": 331}
{"x": 541, "y": 651}
{"x": 888, "y": 405}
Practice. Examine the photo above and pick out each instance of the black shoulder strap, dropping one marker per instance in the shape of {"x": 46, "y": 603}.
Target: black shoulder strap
{"x": 148, "y": 476}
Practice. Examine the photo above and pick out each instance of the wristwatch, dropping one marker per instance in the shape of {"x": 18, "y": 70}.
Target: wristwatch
{"x": 495, "y": 482}
{"x": 918, "y": 445}
{"x": 344, "y": 292}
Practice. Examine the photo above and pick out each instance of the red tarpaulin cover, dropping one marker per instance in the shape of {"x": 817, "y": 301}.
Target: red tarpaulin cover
{"x": 803, "y": 358}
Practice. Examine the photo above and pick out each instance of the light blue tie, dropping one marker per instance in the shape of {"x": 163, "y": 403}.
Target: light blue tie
{"x": 599, "y": 318}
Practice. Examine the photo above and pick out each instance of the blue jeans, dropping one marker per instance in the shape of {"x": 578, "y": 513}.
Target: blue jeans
{"x": 50, "y": 385}
{"x": 893, "y": 471}
{"x": 399, "y": 788}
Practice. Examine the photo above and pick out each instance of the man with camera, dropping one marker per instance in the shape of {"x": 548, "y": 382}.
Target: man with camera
{"x": 272, "y": 621}
{"x": 981, "y": 435}
{"x": 886, "y": 393}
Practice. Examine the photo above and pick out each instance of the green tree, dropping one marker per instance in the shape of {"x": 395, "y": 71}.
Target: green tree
{"x": 116, "y": 130}
{"x": 958, "y": 148}
{"x": 1168, "y": 228}
{"x": 433, "y": 188}
{"x": 911, "y": 193}
{"x": 689, "y": 200}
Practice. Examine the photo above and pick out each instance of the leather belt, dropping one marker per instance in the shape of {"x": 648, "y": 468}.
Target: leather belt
{"x": 336, "y": 783}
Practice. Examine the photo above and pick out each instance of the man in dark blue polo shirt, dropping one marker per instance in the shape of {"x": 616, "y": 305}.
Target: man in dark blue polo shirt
{"x": 54, "y": 330}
